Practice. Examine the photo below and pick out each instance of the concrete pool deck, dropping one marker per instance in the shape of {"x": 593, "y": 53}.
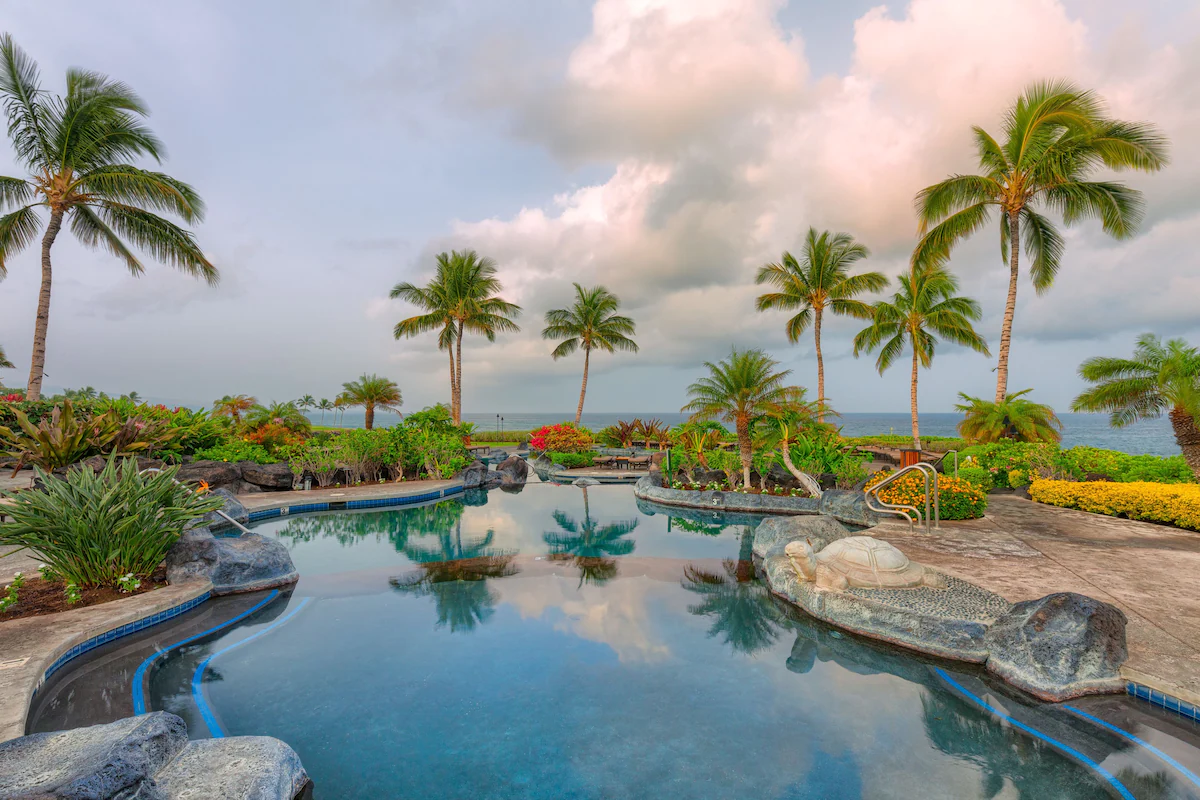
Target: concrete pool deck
{"x": 1023, "y": 550}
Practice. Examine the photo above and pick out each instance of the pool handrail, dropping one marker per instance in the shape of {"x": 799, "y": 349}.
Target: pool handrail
{"x": 933, "y": 514}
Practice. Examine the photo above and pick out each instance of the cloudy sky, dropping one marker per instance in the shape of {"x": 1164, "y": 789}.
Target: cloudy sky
{"x": 665, "y": 148}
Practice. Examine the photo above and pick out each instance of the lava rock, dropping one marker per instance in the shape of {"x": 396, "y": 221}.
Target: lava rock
{"x": 585, "y": 482}
{"x": 230, "y": 505}
{"x": 513, "y": 470}
{"x": 247, "y": 563}
{"x": 776, "y": 532}
{"x": 241, "y": 767}
{"x": 115, "y": 760}
{"x": 217, "y": 474}
{"x": 850, "y": 507}
{"x": 476, "y": 476}
{"x": 704, "y": 477}
{"x": 1062, "y": 646}
{"x": 779, "y": 476}
{"x": 273, "y": 477}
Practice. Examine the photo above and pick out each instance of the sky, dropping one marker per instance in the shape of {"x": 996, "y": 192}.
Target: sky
{"x": 663, "y": 148}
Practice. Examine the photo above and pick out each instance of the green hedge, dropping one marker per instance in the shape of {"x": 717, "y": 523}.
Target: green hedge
{"x": 573, "y": 460}
{"x": 1006, "y": 461}
{"x": 937, "y": 444}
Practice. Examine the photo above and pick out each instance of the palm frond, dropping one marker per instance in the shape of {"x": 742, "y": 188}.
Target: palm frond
{"x": 17, "y": 229}
{"x": 164, "y": 240}
{"x": 92, "y": 232}
{"x": 127, "y": 184}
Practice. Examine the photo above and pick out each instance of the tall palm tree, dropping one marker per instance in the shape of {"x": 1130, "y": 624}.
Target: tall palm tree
{"x": 591, "y": 547}
{"x": 372, "y": 392}
{"x": 1055, "y": 138}
{"x": 306, "y": 402}
{"x": 740, "y": 390}
{"x": 233, "y": 405}
{"x": 4, "y": 362}
{"x": 461, "y": 299}
{"x": 1160, "y": 378}
{"x": 324, "y": 405}
{"x": 593, "y": 324}
{"x": 76, "y": 149}
{"x": 819, "y": 280}
{"x": 1014, "y": 418}
{"x": 925, "y": 305}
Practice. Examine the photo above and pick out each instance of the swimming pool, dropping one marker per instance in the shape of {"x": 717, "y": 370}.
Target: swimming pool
{"x": 566, "y": 643}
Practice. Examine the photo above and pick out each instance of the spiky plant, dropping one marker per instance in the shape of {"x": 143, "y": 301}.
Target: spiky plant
{"x": 1014, "y": 418}
{"x": 1055, "y": 137}
{"x": 77, "y": 149}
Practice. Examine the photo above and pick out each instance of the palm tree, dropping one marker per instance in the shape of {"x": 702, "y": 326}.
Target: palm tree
{"x": 76, "y": 150}
{"x": 592, "y": 547}
{"x": 324, "y": 405}
{"x": 233, "y": 406}
{"x": 741, "y": 607}
{"x": 1055, "y": 137}
{"x": 1014, "y": 418}
{"x": 371, "y": 392}
{"x": 4, "y": 362}
{"x": 821, "y": 279}
{"x": 133, "y": 397}
{"x": 793, "y": 419}
{"x": 306, "y": 402}
{"x": 85, "y": 394}
{"x": 285, "y": 414}
{"x": 593, "y": 324}
{"x": 925, "y": 305}
{"x": 741, "y": 390}
{"x": 1160, "y": 378}
{"x": 461, "y": 299}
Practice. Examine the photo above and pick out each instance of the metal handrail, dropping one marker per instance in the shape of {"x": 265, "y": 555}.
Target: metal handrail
{"x": 948, "y": 452}
{"x": 217, "y": 511}
{"x": 899, "y": 509}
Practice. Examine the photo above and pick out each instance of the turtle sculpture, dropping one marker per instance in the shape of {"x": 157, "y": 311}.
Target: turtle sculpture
{"x": 860, "y": 561}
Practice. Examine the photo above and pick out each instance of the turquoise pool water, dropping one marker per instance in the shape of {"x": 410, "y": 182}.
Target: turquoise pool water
{"x": 562, "y": 644}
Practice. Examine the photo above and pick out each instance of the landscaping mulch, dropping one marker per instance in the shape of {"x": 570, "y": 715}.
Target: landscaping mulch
{"x": 38, "y": 597}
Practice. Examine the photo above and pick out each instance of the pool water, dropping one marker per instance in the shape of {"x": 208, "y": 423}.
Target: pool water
{"x": 563, "y": 643}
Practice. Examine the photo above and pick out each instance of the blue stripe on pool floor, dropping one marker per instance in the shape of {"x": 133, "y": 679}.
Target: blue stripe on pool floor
{"x": 206, "y": 714}
{"x": 1034, "y": 732}
{"x": 1187, "y": 773}
{"x": 139, "y": 698}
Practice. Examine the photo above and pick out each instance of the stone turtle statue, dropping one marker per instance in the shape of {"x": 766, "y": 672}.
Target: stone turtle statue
{"x": 859, "y": 561}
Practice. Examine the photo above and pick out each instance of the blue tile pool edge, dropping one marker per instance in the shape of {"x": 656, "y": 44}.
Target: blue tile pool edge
{"x": 349, "y": 505}
{"x": 1162, "y": 700}
{"x": 122, "y": 630}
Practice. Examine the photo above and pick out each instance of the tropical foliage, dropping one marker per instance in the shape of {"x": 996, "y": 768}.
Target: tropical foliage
{"x": 65, "y": 437}
{"x": 1013, "y": 418}
{"x": 461, "y": 299}
{"x": 77, "y": 150}
{"x": 926, "y": 306}
{"x": 820, "y": 279}
{"x": 233, "y": 406}
{"x": 372, "y": 392}
{"x": 565, "y": 437}
{"x": 1055, "y": 138}
{"x": 1159, "y": 378}
{"x": 957, "y": 498}
{"x": 1177, "y": 504}
{"x": 91, "y": 528}
{"x": 591, "y": 323}
{"x": 284, "y": 415}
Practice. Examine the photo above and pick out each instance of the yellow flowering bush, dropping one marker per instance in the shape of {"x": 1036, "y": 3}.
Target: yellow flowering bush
{"x": 1174, "y": 503}
{"x": 958, "y": 498}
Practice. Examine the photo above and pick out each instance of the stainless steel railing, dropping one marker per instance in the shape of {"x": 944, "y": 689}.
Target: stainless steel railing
{"x": 933, "y": 510}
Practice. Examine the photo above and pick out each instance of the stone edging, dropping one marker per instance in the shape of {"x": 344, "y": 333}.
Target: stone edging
{"x": 844, "y": 506}
{"x": 351, "y": 505}
{"x": 77, "y": 635}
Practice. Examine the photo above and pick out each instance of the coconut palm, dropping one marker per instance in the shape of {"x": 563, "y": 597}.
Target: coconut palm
{"x": 306, "y": 402}
{"x": 1159, "y": 378}
{"x": 4, "y": 362}
{"x": 324, "y": 405}
{"x": 233, "y": 406}
{"x": 741, "y": 608}
{"x": 1014, "y": 418}
{"x": 1055, "y": 138}
{"x": 591, "y": 547}
{"x": 285, "y": 414}
{"x": 790, "y": 420}
{"x": 591, "y": 323}
{"x": 461, "y": 299}
{"x": 77, "y": 150}
{"x": 372, "y": 392}
{"x": 819, "y": 280}
{"x": 740, "y": 390}
{"x": 925, "y": 305}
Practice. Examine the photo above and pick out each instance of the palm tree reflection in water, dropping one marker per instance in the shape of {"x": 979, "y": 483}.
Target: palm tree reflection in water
{"x": 591, "y": 548}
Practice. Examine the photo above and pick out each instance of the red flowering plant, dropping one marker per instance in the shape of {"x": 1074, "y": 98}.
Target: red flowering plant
{"x": 565, "y": 437}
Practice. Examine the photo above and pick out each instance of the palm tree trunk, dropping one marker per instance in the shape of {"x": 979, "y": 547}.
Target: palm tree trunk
{"x": 587, "y": 357}
{"x": 820, "y": 365}
{"x": 453, "y": 378}
{"x": 1010, "y": 307}
{"x": 809, "y": 483}
{"x": 1187, "y": 436}
{"x": 744, "y": 449}
{"x": 38, "y": 363}
{"x": 916, "y": 431}
{"x": 369, "y": 416}
{"x": 457, "y": 411}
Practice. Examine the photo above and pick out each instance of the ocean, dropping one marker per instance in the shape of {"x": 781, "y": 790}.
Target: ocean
{"x": 1153, "y": 437}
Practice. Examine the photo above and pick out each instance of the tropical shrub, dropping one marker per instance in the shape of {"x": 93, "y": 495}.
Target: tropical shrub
{"x": 958, "y": 498}
{"x": 66, "y": 437}
{"x": 520, "y": 437}
{"x": 850, "y": 473}
{"x": 936, "y": 444}
{"x": 92, "y": 528}
{"x": 1017, "y": 478}
{"x": 1174, "y": 504}
{"x": 565, "y": 437}
{"x": 978, "y": 476}
{"x": 237, "y": 450}
{"x": 1000, "y": 458}
{"x": 817, "y": 454}
{"x": 272, "y": 436}
{"x": 572, "y": 460}
{"x": 316, "y": 457}
{"x": 363, "y": 453}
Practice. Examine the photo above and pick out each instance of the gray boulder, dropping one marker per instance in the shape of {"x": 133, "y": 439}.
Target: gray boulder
{"x": 117, "y": 760}
{"x": 849, "y": 507}
{"x": 778, "y": 475}
{"x": 237, "y": 768}
{"x": 230, "y": 505}
{"x": 1062, "y": 646}
{"x": 476, "y": 476}
{"x": 272, "y": 477}
{"x": 217, "y": 474}
{"x": 703, "y": 476}
{"x": 585, "y": 482}
{"x": 246, "y": 563}
{"x": 776, "y": 532}
{"x": 513, "y": 470}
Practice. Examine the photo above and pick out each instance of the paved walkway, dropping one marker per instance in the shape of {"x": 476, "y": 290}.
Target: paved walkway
{"x": 1024, "y": 550}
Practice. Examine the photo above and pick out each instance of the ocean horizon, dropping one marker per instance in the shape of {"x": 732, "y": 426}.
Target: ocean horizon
{"x": 1148, "y": 437}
